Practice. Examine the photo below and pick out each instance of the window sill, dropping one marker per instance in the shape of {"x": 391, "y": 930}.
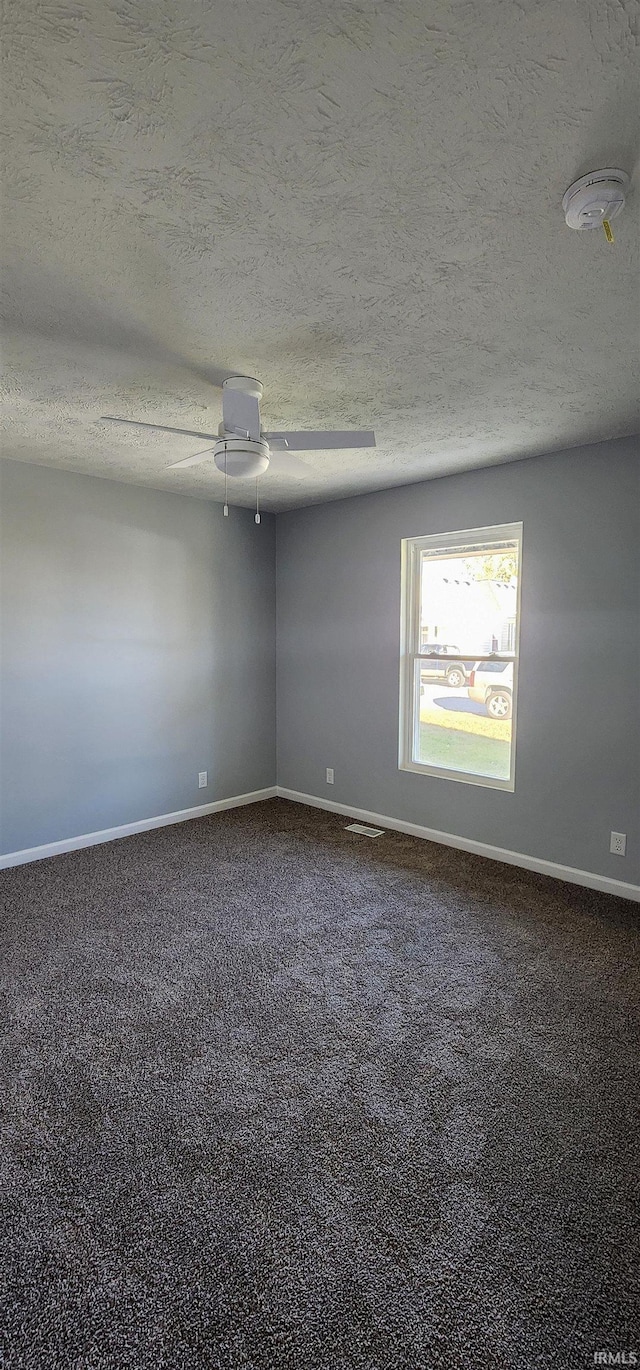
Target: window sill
{"x": 486, "y": 781}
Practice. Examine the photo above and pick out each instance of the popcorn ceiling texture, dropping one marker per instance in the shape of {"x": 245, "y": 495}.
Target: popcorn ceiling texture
{"x": 357, "y": 202}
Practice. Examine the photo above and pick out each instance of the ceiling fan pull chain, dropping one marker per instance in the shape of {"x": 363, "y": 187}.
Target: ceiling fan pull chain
{"x": 257, "y": 501}
{"x": 226, "y": 506}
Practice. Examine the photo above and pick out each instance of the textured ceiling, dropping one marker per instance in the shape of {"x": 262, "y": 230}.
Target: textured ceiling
{"x": 359, "y": 203}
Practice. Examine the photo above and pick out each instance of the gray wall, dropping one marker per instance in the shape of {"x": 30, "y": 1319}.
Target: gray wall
{"x": 138, "y": 648}
{"x": 578, "y": 746}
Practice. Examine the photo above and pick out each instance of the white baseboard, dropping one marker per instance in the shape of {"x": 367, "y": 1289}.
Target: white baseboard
{"x": 530, "y": 863}
{"x": 91, "y": 839}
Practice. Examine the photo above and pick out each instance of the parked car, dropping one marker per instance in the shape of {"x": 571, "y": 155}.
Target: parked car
{"x": 491, "y": 684}
{"x": 454, "y": 672}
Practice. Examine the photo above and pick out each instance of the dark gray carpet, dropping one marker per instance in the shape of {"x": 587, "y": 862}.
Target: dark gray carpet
{"x": 280, "y": 1096}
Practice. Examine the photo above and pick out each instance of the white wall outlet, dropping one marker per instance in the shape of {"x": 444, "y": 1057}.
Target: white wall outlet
{"x": 202, "y": 780}
{"x": 618, "y": 843}
{"x": 329, "y": 775}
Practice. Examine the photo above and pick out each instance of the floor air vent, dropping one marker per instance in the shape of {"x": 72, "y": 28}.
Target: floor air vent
{"x": 362, "y": 828}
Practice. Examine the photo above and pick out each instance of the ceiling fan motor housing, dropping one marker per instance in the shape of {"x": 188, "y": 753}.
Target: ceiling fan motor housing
{"x": 241, "y": 456}
{"x": 595, "y": 198}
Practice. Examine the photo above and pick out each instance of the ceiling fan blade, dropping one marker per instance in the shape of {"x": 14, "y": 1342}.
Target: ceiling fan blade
{"x": 241, "y": 412}
{"x": 284, "y": 463}
{"x": 318, "y": 442}
{"x": 160, "y": 427}
{"x": 191, "y": 461}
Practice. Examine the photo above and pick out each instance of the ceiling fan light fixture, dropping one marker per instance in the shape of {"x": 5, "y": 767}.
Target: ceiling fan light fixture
{"x": 241, "y": 456}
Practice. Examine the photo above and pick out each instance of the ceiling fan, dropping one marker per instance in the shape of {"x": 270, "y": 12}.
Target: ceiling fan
{"x": 240, "y": 446}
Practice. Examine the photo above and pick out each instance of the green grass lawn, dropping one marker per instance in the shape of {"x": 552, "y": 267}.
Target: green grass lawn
{"x": 464, "y": 751}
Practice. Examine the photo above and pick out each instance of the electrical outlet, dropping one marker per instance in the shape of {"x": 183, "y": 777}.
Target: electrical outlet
{"x": 202, "y": 780}
{"x": 618, "y": 844}
{"x": 329, "y": 775}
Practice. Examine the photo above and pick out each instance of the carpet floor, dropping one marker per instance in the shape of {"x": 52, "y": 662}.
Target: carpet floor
{"x": 278, "y": 1095}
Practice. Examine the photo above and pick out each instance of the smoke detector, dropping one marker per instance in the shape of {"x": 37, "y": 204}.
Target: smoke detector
{"x": 595, "y": 199}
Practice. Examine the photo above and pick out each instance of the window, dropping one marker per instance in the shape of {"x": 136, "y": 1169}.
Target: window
{"x": 459, "y": 655}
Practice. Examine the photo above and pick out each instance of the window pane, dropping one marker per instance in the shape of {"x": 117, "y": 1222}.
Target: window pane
{"x": 468, "y": 599}
{"x": 458, "y": 707}
{"x": 457, "y": 732}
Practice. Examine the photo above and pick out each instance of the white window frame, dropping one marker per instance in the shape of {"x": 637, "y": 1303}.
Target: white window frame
{"x": 412, "y": 549}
